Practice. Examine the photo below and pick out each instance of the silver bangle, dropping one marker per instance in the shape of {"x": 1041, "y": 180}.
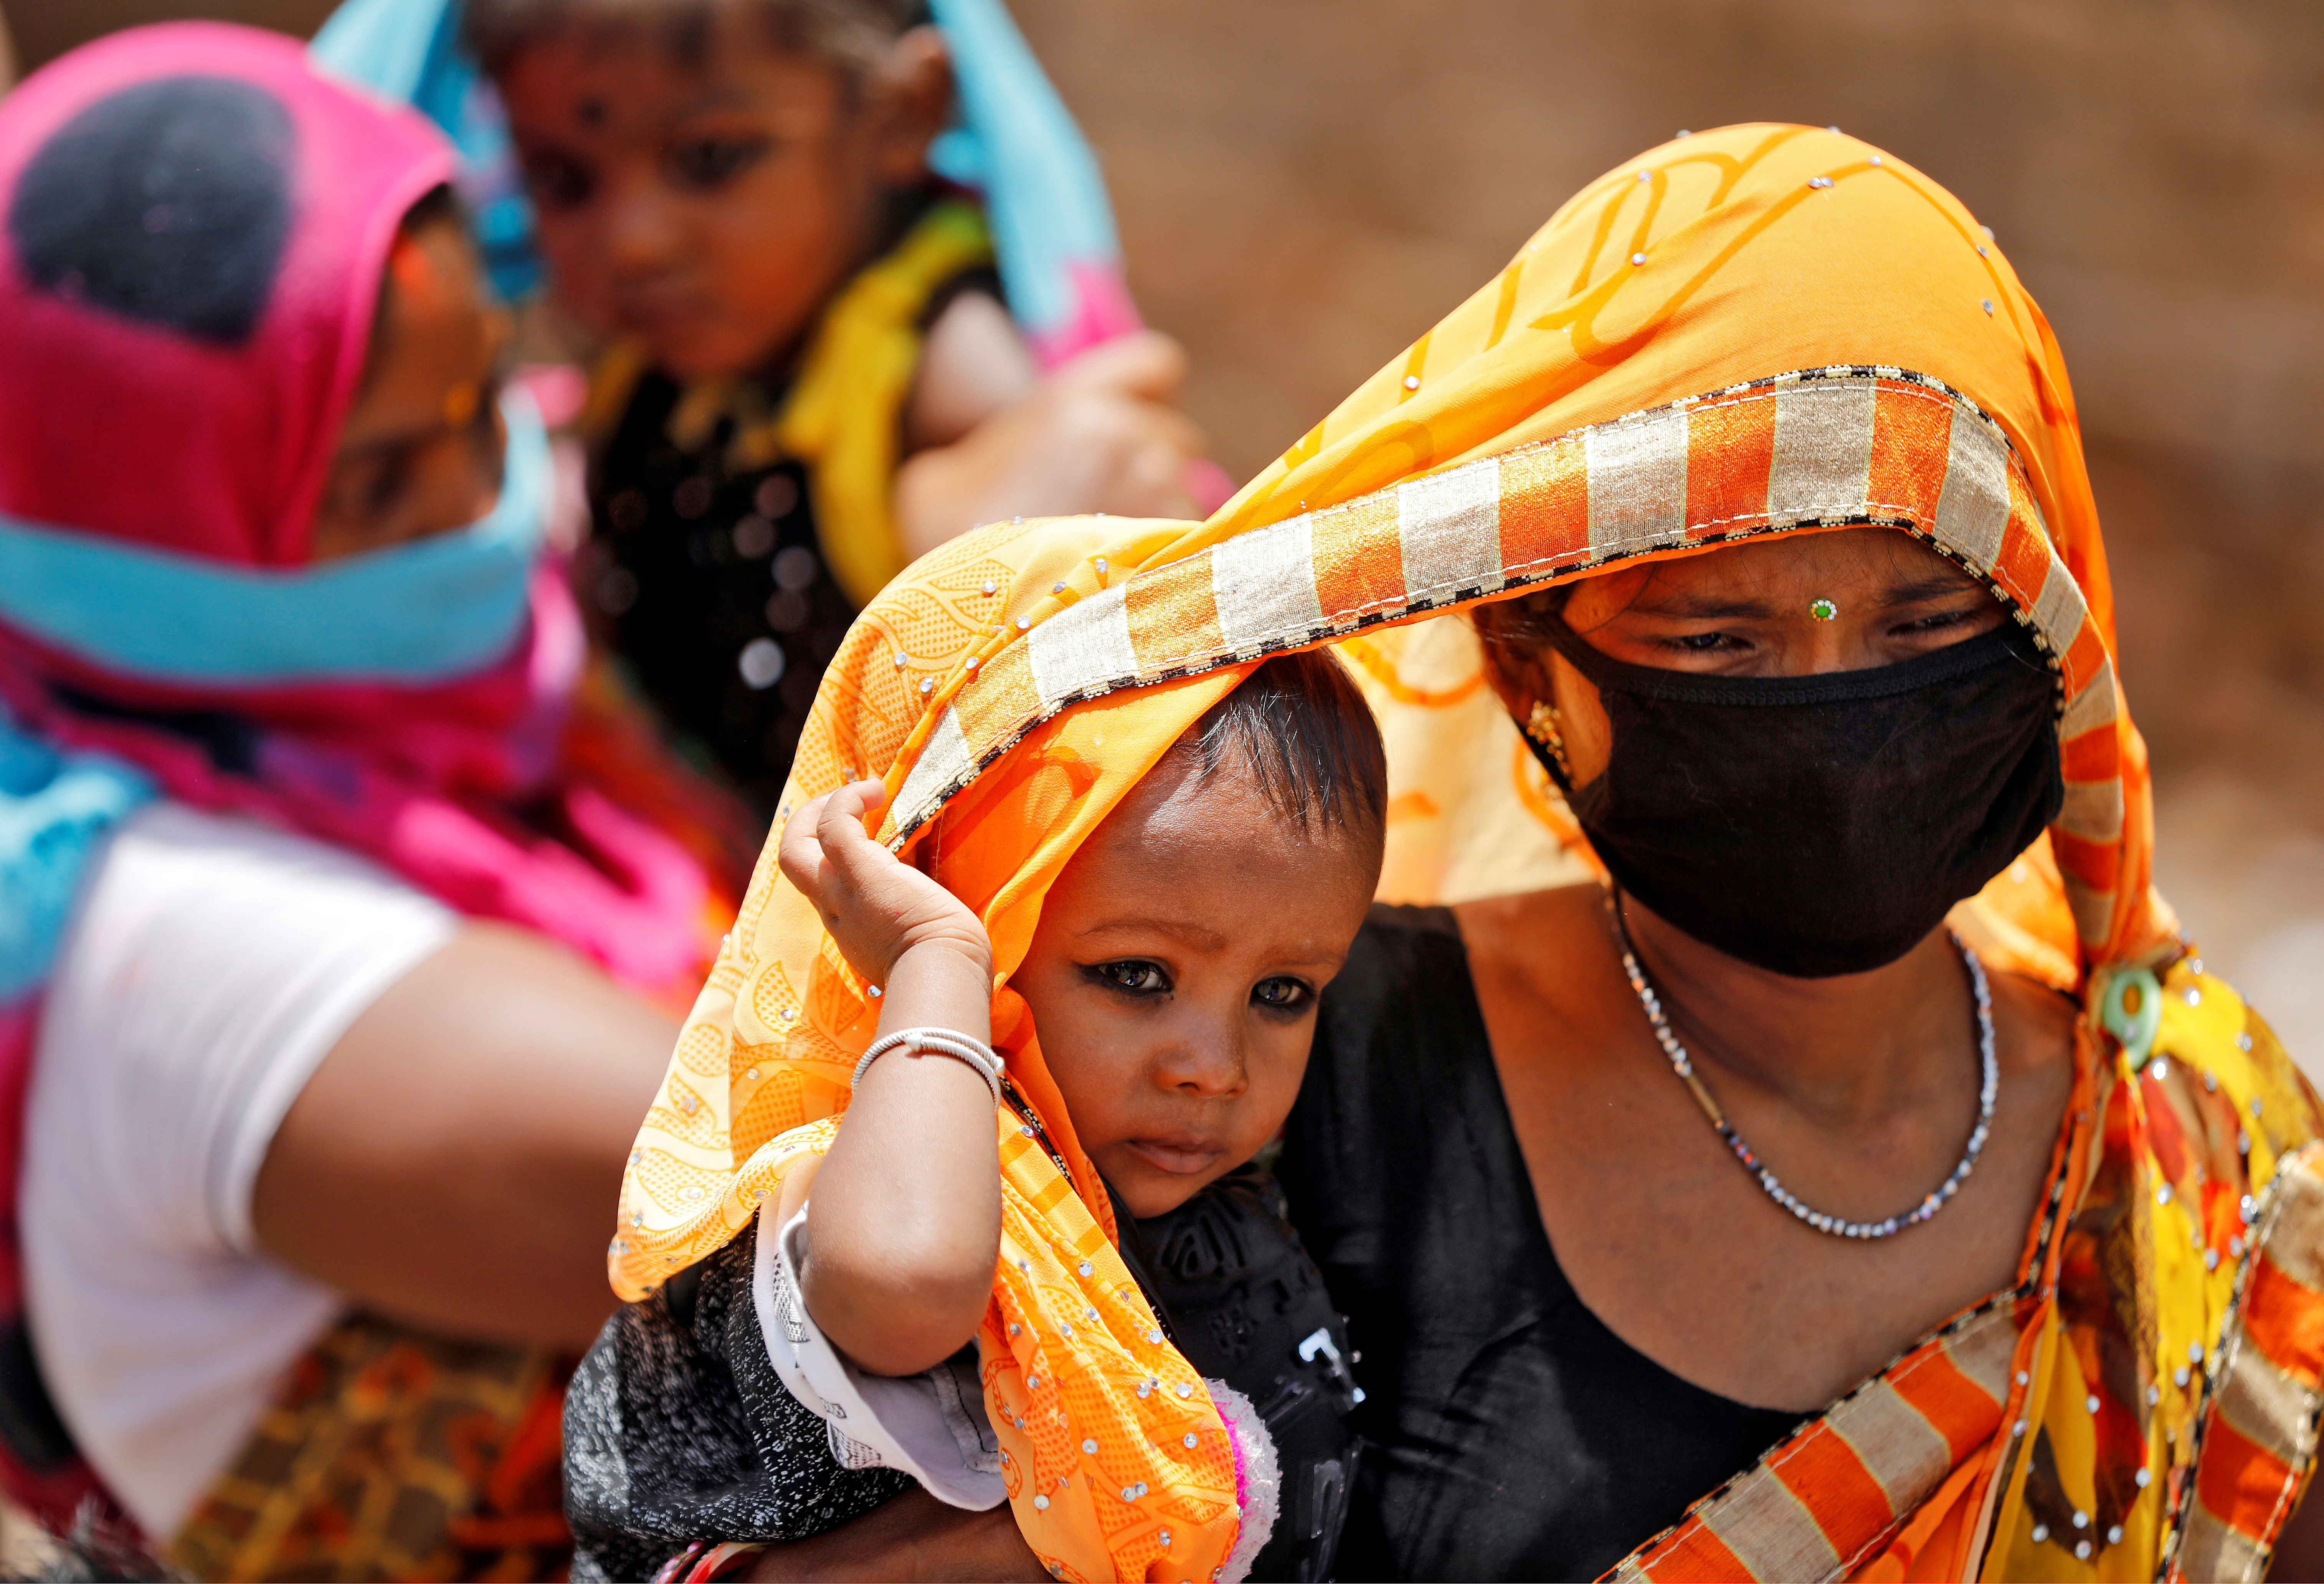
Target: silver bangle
{"x": 975, "y": 1053}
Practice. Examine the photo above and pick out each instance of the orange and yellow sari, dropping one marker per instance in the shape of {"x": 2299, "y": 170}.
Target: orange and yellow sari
{"x": 1764, "y": 329}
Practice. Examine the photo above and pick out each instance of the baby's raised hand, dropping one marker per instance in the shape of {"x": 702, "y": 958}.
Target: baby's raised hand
{"x": 876, "y": 907}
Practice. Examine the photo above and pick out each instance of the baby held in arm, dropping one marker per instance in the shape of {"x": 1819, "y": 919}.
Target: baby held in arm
{"x": 1173, "y": 981}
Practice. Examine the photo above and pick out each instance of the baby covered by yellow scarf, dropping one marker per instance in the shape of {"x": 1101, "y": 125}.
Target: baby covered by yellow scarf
{"x": 1139, "y": 905}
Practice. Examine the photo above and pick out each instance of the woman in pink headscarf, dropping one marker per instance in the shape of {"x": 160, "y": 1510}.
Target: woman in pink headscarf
{"x": 332, "y": 914}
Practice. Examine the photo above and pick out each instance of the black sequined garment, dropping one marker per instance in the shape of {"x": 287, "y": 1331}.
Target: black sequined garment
{"x": 678, "y": 1430}
{"x": 1228, "y": 1276}
{"x": 714, "y": 592}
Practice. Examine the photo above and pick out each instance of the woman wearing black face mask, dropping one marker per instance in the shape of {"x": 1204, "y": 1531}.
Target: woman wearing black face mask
{"x": 1848, "y": 1181}
{"x": 1863, "y": 1179}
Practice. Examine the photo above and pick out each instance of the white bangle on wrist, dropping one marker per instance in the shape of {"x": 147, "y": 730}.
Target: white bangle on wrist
{"x": 975, "y": 1053}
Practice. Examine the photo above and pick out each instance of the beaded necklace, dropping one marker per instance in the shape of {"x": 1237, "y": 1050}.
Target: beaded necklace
{"x": 1837, "y": 1226}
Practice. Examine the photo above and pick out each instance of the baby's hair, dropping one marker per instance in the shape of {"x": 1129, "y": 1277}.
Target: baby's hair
{"x": 848, "y": 33}
{"x": 1302, "y": 730}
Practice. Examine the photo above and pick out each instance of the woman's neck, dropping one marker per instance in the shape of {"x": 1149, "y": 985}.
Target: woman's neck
{"x": 1843, "y": 1051}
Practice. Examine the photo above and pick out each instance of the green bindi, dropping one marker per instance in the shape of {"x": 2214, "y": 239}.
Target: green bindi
{"x": 1823, "y": 610}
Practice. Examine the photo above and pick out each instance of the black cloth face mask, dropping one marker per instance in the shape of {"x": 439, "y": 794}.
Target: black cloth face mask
{"x": 1819, "y": 825}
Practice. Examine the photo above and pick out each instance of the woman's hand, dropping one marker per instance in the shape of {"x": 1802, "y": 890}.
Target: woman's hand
{"x": 912, "y": 1536}
{"x": 876, "y": 907}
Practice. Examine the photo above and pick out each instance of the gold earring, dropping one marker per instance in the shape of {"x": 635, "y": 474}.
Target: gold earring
{"x": 1545, "y": 726}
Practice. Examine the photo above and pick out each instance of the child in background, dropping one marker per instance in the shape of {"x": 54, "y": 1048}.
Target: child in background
{"x": 815, "y": 378}
{"x": 1172, "y": 980}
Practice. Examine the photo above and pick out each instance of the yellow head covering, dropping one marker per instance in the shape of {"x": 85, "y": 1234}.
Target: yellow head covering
{"x": 1764, "y": 329}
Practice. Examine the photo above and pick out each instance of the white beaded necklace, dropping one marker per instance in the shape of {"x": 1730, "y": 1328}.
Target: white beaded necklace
{"x": 1837, "y": 1226}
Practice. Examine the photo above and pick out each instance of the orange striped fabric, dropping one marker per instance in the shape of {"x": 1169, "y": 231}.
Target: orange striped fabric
{"x": 1849, "y": 1478}
{"x": 1763, "y": 330}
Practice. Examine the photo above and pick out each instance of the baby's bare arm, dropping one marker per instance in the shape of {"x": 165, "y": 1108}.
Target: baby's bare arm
{"x": 905, "y": 1223}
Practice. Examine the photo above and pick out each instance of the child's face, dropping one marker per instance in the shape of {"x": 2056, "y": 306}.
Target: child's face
{"x": 710, "y": 208}
{"x": 421, "y": 451}
{"x": 1174, "y": 974}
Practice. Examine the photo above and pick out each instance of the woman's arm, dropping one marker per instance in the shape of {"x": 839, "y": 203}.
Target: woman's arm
{"x": 990, "y": 437}
{"x": 456, "y": 1159}
{"x": 905, "y": 1224}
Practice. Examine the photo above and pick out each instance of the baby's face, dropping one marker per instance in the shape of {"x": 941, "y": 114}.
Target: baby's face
{"x": 706, "y": 208}
{"x": 1174, "y": 974}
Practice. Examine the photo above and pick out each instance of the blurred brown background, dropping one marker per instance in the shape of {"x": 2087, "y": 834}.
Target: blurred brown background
{"x": 1305, "y": 185}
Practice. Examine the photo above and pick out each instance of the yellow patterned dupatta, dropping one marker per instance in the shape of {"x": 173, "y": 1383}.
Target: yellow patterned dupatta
{"x": 1765, "y": 329}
